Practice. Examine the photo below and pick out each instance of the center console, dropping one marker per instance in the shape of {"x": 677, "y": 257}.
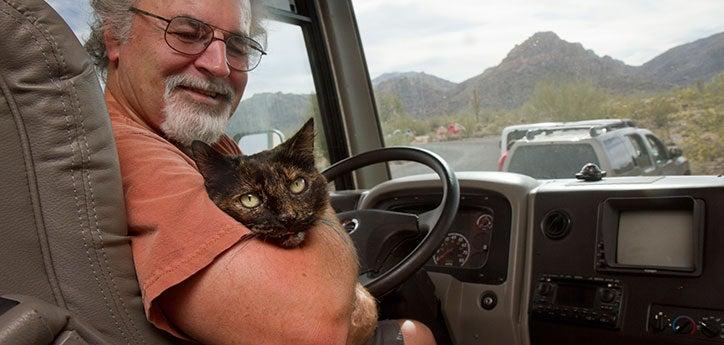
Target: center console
{"x": 625, "y": 265}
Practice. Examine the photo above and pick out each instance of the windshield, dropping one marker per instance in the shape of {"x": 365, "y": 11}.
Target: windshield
{"x": 452, "y": 77}
{"x": 468, "y": 79}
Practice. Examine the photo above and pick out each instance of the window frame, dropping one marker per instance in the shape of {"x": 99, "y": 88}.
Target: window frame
{"x": 621, "y": 164}
{"x": 305, "y": 17}
{"x": 658, "y": 149}
{"x": 638, "y": 142}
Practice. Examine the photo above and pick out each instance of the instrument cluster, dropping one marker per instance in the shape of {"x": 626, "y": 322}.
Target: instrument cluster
{"x": 476, "y": 246}
{"x": 468, "y": 243}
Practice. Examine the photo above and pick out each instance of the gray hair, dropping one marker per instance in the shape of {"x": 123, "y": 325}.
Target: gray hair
{"x": 114, "y": 17}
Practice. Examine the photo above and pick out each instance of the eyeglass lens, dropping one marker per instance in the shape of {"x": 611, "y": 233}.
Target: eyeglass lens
{"x": 190, "y": 36}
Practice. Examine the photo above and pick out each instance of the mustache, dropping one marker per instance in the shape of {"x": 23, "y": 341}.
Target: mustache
{"x": 222, "y": 88}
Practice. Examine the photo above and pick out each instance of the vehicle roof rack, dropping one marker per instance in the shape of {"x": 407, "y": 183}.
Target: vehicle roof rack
{"x": 613, "y": 123}
{"x": 594, "y": 129}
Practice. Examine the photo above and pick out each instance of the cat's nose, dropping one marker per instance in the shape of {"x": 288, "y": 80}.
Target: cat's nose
{"x": 287, "y": 217}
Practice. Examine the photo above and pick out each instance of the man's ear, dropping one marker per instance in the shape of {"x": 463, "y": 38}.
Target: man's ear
{"x": 113, "y": 47}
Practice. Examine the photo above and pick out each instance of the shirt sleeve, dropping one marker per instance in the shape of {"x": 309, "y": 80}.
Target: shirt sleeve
{"x": 175, "y": 229}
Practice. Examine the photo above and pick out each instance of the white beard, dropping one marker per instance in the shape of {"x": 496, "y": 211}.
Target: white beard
{"x": 186, "y": 120}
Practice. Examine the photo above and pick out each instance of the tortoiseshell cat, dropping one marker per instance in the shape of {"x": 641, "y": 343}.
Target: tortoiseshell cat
{"x": 278, "y": 194}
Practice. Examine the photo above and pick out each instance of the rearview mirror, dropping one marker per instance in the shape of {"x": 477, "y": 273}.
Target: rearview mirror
{"x": 251, "y": 143}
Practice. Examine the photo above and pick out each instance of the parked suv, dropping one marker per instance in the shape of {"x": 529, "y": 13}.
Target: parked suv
{"x": 511, "y": 134}
{"x": 561, "y": 151}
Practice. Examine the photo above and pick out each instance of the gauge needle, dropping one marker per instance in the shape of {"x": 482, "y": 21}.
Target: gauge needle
{"x": 445, "y": 253}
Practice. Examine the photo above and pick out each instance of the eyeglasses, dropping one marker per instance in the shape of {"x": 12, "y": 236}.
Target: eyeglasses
{"x": 191, "y": 36}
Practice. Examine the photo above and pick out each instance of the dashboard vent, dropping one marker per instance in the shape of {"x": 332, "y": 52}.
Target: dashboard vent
{"x": 556, "y": 224}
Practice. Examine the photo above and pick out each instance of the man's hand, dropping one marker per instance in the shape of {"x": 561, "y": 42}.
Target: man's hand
{"x": 364, "y": 317}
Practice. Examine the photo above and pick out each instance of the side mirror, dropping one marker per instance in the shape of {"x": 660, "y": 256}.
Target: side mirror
{"x": 675, "y": 152}
{"x": 251, "y": 143}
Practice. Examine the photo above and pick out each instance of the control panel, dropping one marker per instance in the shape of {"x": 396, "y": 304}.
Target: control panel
{"x": 686, "y": 322}
{"x": 593, "y": 301}
{"x": 646, "y": 242}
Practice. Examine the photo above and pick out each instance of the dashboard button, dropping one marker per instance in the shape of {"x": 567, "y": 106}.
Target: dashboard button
{"x": 488, "y": 300}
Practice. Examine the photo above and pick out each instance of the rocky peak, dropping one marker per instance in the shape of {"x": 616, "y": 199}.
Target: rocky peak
{"x": 547, "y": 46}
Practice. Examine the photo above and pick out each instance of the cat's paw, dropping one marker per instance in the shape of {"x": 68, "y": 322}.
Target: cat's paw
{"x": 293, "y": 241}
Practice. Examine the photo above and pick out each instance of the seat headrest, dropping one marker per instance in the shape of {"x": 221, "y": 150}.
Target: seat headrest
{"x": 63, "y": 230}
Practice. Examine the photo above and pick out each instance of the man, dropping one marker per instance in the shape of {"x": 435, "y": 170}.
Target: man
{"x": 175, "y": 71}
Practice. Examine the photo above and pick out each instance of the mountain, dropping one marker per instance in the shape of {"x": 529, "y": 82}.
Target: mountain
{"x": 688, "y": 63}
{"x": 419, "y": 92}
{"x": 543, "y": 56}
{"x": 283, "y": 111}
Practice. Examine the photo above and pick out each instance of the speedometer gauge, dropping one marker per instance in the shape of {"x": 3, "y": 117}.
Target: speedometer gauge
{"x": 454, "y": 251}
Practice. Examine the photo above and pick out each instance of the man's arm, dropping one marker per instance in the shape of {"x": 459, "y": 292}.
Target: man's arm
{"x": 257, "y": 293}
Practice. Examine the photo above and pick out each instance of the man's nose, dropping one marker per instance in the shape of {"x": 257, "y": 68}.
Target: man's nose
{"x": 213, "y": 60}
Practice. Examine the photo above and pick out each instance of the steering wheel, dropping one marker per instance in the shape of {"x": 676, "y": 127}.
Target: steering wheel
{"x": 371, "y": 229}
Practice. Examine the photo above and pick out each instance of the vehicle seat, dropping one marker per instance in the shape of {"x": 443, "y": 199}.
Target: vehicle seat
{"x": 66, "y": 271}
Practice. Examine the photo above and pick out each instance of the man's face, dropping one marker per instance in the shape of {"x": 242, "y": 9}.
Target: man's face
{"x": 187, "y": 97}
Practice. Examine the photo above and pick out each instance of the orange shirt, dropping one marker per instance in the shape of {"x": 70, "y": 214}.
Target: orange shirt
{"x": 175, "y": 229}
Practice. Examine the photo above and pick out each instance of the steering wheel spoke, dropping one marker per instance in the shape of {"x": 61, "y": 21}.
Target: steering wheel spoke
{"x": 427, "y": 220}
{"x": 376, "y": 234}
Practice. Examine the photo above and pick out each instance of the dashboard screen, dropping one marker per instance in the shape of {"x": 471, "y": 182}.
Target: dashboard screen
{"x": 656, "y": 239}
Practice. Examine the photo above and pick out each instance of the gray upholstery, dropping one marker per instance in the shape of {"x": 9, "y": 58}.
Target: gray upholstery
{"x": 36, "y": 322}
{"x": 62, "y": 219}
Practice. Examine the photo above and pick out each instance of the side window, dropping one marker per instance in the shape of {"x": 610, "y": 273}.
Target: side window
{"x": 658, "y": 148}
{"x": 641, "y": 155}
{"x": 618, "y": 154}
{"x": 280, "y": 95}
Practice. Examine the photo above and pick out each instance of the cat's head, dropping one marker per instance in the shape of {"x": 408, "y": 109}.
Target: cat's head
{"x": 275, "y": 192}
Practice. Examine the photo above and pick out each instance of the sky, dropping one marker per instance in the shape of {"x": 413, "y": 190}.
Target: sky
{"x": 459, "y": 39}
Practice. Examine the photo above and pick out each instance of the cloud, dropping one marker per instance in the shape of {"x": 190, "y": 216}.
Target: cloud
{"x": 76, "y": 13}
{"x": 459, "y": 39}
{"x": 286, "y": 67}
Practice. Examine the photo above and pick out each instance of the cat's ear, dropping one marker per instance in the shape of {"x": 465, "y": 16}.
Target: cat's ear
{"x": 210, "y": 162}
{"x": 303, "y": 140}
{"x": 300, "y": 147}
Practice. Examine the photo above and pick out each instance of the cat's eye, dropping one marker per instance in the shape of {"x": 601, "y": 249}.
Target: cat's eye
{"x": 250, "y": 200}
{"x": 298, "y": 185}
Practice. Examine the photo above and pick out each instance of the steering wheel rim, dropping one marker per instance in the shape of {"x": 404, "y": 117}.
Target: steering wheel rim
{"x": 442, "y": 216}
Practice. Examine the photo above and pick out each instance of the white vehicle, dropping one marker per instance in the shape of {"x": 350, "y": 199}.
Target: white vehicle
{"x": 512, "y": 133}
{"x": 561, "y": 152}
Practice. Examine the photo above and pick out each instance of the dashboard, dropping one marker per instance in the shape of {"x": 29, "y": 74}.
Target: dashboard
{"x": 629, "y": 260}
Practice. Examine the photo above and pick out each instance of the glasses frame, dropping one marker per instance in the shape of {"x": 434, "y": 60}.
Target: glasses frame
{"x": 227, "y": 35}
